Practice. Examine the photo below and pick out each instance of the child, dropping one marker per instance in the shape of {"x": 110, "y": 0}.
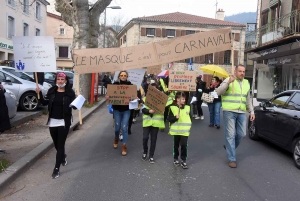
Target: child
{"x": 180, "y": 125}
{"x": 152, "y": 122}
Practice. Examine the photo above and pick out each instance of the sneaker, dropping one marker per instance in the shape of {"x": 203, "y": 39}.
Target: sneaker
{"x": 133, "y": 120}
{"x": 151, "y": 160}
{"x": 144, "y": 157}
{"x": 184, "y": 165}
{"x": 202, "y": 117}
{"x": 218, "y": 126}
{"x": 65, "y": 162}
{"x": 55, "y": 173}
{"x": 232, "y": 164}
{"x": 224, "y": 147}
{"x": 121, "y": 137}
{"x": 197, "y": 117}
{"x": 176, "y": 162}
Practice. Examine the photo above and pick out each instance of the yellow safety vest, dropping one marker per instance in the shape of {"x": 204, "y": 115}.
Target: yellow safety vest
{"x": 157, "y": 120}
{"x": 162, "y": 83}
{"x": 238, "y": 99}
{"x": 171, "y": 98}
{"x": 183, "y": 125}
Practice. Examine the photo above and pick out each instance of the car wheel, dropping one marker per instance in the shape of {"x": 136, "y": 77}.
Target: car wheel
{"x": 296, "y": 152}
{"x": 29, "y": 101}
{"x": 252, "y": 131}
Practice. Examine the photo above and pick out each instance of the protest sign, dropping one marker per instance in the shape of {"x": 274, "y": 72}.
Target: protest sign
{"x": 34, "y": 53}
{"x": 135, "y": 76}
{"x": 152, "y": 54}
{"x": 155, "y": 70}
{"x": 156, "y": 100}
{"x": 121, "y": 94}
{"x": 182, "y": 81}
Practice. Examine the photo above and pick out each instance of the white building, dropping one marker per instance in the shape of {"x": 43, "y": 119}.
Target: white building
{"x": 20, "y": 18}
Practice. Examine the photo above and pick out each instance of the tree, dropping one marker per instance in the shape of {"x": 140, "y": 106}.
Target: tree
{"x": 84, "y": 18}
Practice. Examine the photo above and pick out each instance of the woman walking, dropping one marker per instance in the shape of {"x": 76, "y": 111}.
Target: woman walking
{"x": 200, "y": 87}
{"x": 59, "y": 98}
{"x": 215, "y": 106}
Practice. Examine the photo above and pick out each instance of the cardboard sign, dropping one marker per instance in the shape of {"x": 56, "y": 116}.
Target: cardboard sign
{"x": 152, "y": 54}
{"x": 182, "y": 81}
{"x": 156, "y": 100}
{"x": 155, "y": 70}
{"x": 135, "y": 76}
{"x": 121, "y": 94}
{"x": 34, "y": 54}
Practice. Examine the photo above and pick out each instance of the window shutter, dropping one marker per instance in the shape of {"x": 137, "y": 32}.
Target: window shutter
{"x": 119, "y": 43}
{"x": 183, "y": 32}
{"x": 202, "y": 59}
{"x": 237, "y": 37}
{"x": 158, "y": 32}
{"x": 236, "y": 56}
{"x": 164, "y": 32}
{"x": 178, "y": 32}
{"x": 197, "y": 59}
{"x": 143, "y": 31}
{"x": 221, "y": 58}
{"x": 124, "y": 38}
{"x": 216, "y": 58}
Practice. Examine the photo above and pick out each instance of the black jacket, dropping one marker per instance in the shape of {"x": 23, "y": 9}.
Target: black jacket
{"x": 4, "y": 118}
{"x": 121, "y": 108}
{"x": 200, "y": 85}
{"x": 69, "y": 96}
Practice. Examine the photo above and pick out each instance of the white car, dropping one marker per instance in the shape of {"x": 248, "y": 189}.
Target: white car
{"x": 11, "y": 102}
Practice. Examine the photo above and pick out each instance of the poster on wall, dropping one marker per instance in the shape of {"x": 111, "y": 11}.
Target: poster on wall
{"x": 34, "y": 53}
{"x": 135, "y": 76}
{"x": 182, "y": 80}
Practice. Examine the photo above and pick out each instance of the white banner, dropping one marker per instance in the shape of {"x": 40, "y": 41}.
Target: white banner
{"x": 135, "y": 76}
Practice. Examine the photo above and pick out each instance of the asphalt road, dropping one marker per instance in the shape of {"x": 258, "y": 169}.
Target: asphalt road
{"x": 96, "y": 171}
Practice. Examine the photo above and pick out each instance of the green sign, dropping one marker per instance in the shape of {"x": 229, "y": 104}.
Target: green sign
{"x": 6, "y": 46}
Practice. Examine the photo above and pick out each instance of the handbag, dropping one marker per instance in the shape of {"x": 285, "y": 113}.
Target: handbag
{"x": 208, "y": 98}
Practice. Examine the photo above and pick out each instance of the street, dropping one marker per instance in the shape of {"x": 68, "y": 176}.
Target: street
{"x": 96, "y": 171}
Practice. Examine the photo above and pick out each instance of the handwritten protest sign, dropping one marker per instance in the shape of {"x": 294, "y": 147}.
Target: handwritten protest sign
{"x": 155, "y": 70}
{"x": 152, "y": 54}
{"x": 182, "y": 81}
{"x": 120, "y": 94}
{"x": 135, "y": 76}
{"x": 34, "y": 54}
{"x": 156, "y": 100}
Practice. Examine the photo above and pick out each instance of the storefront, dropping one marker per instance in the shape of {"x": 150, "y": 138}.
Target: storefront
{"x": 6, "y": 52}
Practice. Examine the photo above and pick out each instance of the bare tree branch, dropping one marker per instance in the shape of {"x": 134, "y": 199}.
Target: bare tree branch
{"x": 99, "y": 7}
{"x": 66, "y": 10}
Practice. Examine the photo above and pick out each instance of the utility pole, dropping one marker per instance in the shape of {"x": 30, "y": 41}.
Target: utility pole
{"x": 216, "y": 8}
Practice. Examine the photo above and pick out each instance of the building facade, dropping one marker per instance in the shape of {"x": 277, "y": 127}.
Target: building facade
{"x": 63, "y": 39}
{"x": 163, "y": 27}
{"x": 274, "y": 47}
{"x": 20, "y": 18}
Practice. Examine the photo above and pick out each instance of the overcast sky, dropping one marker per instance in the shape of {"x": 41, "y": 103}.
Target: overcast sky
{"x": 206, "y": 8}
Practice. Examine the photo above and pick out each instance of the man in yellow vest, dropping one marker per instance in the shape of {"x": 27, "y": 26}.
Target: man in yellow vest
{"x": 236, "y": 102}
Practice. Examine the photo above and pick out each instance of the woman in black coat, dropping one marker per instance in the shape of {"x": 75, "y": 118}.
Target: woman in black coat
{"x": 4, "y": 118}
{"x": 59, "y": 98}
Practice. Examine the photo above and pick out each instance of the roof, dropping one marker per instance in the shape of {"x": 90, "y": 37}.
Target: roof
{"x": 46, "y": 3}
{"x": 54, "y": 16}
{"x": 187, "y": 18}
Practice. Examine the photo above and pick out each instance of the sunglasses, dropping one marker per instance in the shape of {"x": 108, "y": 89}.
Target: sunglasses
{"x": 123, "y": 75}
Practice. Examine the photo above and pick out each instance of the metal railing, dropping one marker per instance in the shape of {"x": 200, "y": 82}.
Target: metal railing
{"x": 282, "y": 27}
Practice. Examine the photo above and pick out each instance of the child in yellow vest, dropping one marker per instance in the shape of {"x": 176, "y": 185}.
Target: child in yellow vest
{"x": 180, "y": 125}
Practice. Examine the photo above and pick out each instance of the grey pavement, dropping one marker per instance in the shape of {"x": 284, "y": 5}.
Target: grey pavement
{"x": 96, "y": 171}
{"x": 25, "y": 116}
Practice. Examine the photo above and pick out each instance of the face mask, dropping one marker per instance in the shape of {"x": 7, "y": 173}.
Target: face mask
{"x": 61, "y": 86}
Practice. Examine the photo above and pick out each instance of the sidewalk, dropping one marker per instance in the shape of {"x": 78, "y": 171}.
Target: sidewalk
{"x": 28, "y": 142}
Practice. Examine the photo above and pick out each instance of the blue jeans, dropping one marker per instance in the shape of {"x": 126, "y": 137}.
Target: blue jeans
{"x": 121, "y": 119}
{"x": 214, "y": 111}
{"x": 235, "y": 129}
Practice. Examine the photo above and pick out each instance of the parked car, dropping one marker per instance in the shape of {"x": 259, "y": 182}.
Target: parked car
{"x": 24, "y": 90}
{"x": 11, "y": 102}
{"x": 278, "y": 121}
{"x": 50, "y": 77}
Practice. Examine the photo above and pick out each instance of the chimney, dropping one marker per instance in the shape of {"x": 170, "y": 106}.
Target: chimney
{"x": 220, "y": 14}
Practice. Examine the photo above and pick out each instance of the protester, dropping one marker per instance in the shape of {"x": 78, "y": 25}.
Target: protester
{"x": 121, "y": 115}
{"x": 152, "y": 122}
{"x": 200, "y": 87}
{"x": 4, "y": 117}
{"x": 215, "y": 106}
{"x": 194, "y": 104}
{"x": 59, "y": 98}
{"x": 145, "y": 84}
{"x": 141, "y": 95}
{"x": 236, "y": 101}
{"x": 180, "y": 125}
{"x": 106, "y": 80}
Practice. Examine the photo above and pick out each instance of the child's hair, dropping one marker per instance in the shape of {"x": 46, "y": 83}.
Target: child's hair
{"x": 179, "y": 94}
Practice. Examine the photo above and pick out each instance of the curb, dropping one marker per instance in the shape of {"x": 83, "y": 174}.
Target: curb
{"x": 23, "y": 164}
{"x": 26, "y": 118}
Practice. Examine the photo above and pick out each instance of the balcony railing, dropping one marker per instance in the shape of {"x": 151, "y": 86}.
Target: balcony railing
{"x": 282, "y": 27}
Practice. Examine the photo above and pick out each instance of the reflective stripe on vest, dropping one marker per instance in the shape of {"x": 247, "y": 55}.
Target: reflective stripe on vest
{"x": 183, "y": 125}
{"x": 238, "y": 100}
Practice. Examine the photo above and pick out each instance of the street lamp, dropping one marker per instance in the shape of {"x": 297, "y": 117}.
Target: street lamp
{"x": 112, "y": 7}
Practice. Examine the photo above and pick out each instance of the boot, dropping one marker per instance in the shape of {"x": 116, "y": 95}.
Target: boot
{"x": 116, "y": 141}
{"x": 124, "y": 150}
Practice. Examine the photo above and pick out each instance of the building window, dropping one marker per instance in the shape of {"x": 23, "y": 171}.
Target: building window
{"x": 11, "y": 27}
{"x": 187, "y": 32}
{"x": 62, "y": 31}
{"x": 227, "y": 57}
{"x": 37, "y": 32}
{"x": 26, "y": 6}
{"x": 25, "y": 29}
{"x": 63, "y": 52}
{"x": 38, "y": 11}
{"x": 11, "y": 3}
{"x": 209, "y": 58}
{"x": 170, "y": 33}
{"x": 150, "y": 31}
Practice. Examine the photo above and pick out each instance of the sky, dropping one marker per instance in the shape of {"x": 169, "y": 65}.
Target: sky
{"x": 206, "y": 8}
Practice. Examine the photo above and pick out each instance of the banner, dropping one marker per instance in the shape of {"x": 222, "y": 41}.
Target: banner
{"x": 135, "y": 76}
{"x": 156, "y": 100}
{"x": 120, "y": 94}
{"x": 34, "y": 54}
{"x": 151, "y": 54}
{"x": 155, "y": 70}
{"x": 182, "y": 81}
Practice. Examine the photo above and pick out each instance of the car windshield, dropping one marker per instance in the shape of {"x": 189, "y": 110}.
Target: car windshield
{"x": 49, "y": 76}
{"x": 70, "y": 75}
{"x": 18, "y": 74}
